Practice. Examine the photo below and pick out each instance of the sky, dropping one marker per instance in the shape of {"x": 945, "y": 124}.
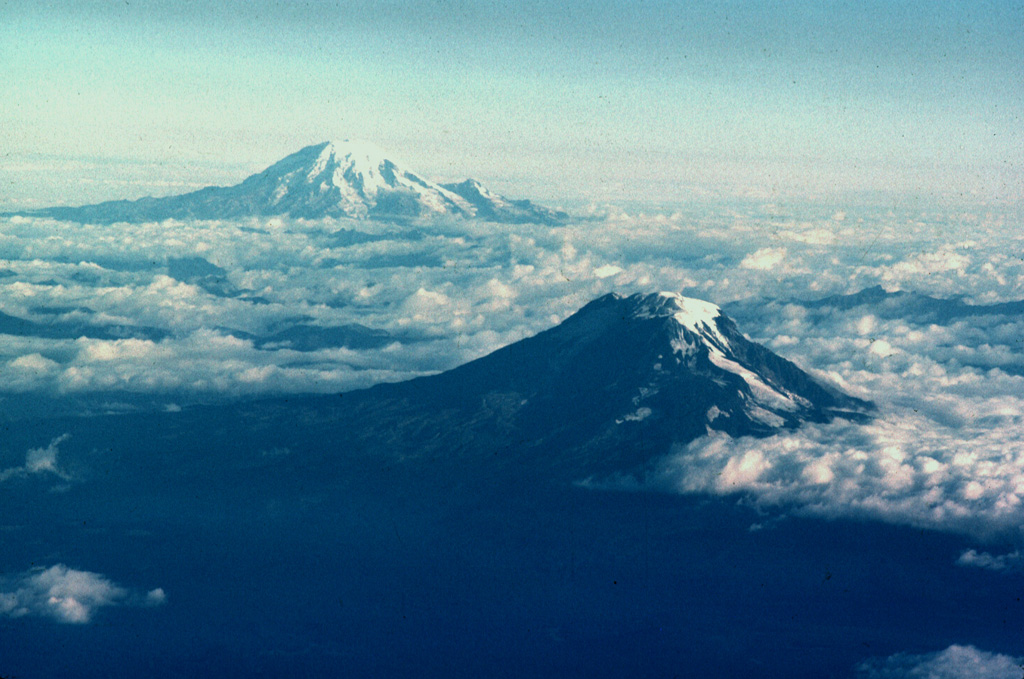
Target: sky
{"x": 609, "y": 100}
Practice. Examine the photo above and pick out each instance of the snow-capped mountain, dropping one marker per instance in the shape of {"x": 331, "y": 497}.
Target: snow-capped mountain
{"x": 607, "y": 390}
{"x": 350, "y": 179}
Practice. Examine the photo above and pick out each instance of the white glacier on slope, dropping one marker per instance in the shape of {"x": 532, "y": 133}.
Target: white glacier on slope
{"x": 698, "y": 327}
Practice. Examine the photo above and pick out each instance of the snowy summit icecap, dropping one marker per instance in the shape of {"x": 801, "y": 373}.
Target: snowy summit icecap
{"x": 747, "y": 388}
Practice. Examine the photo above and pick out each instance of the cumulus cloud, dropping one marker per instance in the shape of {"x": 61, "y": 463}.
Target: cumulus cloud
{"x": 764, "y": 259}
{"x": 956, "y": 662}
{"x": 607, "y": 270}
{"x": 143, "y": 294}
{"x": 67, "y": 595}
{"x": 35, "y": 362}
{"x": 1012, "y": 562}
{"x": 903, "y": 468}
{"x": 39, "y": 461}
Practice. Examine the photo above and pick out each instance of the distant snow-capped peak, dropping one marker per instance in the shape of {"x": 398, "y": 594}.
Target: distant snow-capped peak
{"x": 489, "y": 205}
{"x": 356, "y": 179}
{"x": 473, "y": 187}
{"x": 348, "y": 179}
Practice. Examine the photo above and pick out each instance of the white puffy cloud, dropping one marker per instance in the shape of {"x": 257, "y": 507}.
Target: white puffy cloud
{"x": 469, "y": 287}
{"x": 607, "y": 270}
{"x": 902, "y": 468}
{"x": 1012, "y": 561}
{"x": 764, "y": 259}
{"x": 955, "y": 662}
{"x": 41, "y": 461}
{"x": 67, "y": 595}
{"x": 33, "y": 363}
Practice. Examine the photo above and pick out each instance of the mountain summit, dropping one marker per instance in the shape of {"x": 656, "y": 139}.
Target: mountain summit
{"x": 612, "y": 387}
{"x": 350, "y": 179}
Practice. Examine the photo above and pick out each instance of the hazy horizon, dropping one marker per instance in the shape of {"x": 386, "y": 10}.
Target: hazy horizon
{"x": 656, "y": 102}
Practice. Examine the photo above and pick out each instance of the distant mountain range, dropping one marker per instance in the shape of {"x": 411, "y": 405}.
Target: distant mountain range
{"x": 876, "y": 300}
{"x": 349, "y": 179}
{"x": 912, "y": 306}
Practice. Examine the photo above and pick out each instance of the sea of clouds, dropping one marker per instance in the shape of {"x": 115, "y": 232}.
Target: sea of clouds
{"x": 175, "y": 312}
{"x": 197, "y": 306}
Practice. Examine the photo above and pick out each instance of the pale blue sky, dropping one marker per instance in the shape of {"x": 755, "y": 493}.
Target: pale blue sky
{"x": 604, "y": 100}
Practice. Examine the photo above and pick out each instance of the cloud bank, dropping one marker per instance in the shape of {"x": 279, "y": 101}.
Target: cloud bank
{"x": 185, "y": 311}
{"x": 257, "y": 306}
{"x": 904, "y": 468}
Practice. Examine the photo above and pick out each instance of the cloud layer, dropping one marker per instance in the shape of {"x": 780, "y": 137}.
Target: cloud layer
{"x": 219, "y": 307}
{"x": 177, "y": 311}
{"x": 904, "y": 467}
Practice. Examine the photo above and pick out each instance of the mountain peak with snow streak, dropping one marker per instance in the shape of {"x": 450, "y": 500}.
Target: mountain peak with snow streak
{"x": 695, "y": 316}
{"x": 348, "y": 179}
{"x": 614, "y": 385}
{"x": 490, "y": 206}
{"x": 690, "y": 369}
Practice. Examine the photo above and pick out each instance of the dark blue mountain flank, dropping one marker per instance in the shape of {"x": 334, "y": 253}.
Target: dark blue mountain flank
{"x": 350, "y": 179}
{"x": 57, "y": 327}
{"x": 607, "y": 390}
